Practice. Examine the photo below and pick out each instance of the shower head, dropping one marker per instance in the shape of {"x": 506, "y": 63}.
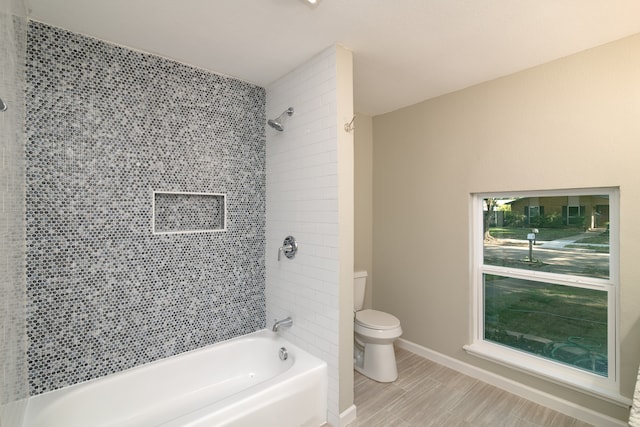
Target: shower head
{"x": 277, "y": 122}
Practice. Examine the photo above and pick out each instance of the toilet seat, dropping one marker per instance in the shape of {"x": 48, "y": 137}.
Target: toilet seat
{"x": 374, "y": 319}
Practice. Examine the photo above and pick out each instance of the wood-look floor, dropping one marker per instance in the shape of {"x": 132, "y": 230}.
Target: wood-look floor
{"x": 429, "y": 394}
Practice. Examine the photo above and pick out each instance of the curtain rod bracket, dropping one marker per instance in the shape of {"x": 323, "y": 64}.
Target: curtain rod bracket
{"x": 348, "y": 127}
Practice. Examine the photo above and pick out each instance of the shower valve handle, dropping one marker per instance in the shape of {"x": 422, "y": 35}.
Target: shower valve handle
{"x": 289, "y": 248}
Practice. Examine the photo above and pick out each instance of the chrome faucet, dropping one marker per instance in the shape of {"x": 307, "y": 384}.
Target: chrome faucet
{"x": 284, "y": 322}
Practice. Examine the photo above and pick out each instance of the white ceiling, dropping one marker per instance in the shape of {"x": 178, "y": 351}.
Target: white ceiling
{"x": 405, "y": 51}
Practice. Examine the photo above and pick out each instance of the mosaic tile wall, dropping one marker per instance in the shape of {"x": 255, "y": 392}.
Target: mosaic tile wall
{"x": 107, "y": 126}
{"x": 13, "y": 345}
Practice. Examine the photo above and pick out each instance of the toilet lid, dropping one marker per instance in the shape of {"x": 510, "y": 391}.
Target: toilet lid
{"x": 375, "y": 319}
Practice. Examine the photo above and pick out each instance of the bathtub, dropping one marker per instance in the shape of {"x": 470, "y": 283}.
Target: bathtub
{"x": 240, "y": 382}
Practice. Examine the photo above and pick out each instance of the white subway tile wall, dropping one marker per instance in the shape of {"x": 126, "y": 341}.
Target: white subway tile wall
{"x": 302, "y": 201}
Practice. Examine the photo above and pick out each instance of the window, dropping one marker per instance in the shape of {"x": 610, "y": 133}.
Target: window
{"x": 533, "y": 213}
{"x": 545, "y": 298}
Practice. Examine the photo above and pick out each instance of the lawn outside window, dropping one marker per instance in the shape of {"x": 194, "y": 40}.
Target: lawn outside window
{"x": 545, "y": 285}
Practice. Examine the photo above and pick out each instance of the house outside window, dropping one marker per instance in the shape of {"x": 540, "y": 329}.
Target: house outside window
{"x": 545, "y": 299}
{"x": 575, "y": 215}
{"x": 533, "y": 213}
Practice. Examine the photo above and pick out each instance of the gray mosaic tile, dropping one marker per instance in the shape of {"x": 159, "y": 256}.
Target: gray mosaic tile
{"x": 107, "y": 126}
{"x": 13, "y": 362}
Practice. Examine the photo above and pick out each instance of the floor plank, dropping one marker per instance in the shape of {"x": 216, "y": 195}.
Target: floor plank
{"x": 428, "y": 394}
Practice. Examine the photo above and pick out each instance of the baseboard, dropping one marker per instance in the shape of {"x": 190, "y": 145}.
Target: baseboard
{"x": 541, "y": 398}
{"x": 348, "y": 416}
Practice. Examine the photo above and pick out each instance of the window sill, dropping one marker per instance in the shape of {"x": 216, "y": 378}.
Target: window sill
{"x": 575, "y": 379}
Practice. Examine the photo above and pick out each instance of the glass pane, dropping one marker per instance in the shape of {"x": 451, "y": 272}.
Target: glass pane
{"x": 562, "y": 323}
{"x": 548, "y": 236}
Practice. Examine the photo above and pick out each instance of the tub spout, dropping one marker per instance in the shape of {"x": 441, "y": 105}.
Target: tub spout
{"x": 284, "y": 322}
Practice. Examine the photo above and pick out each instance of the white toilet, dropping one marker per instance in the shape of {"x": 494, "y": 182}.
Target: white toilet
{"x": 374, "y": 334}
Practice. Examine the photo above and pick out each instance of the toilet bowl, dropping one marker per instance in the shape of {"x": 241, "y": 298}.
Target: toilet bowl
{"x": 374, "y": 334}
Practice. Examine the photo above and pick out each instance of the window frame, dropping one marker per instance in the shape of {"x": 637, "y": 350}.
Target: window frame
{"x": 591, "y": 383}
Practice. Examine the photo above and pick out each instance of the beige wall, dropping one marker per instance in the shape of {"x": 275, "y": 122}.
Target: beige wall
{"x": 577, "y": 119}
{"x": 363, "y": 176}
{"x": 344, "y": 104}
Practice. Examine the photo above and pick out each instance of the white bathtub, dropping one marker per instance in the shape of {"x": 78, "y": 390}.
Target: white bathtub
{"x": 240, "y": 382}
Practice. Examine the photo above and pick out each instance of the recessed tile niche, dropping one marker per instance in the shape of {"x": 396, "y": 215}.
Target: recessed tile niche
{"x": 175, "y": 212}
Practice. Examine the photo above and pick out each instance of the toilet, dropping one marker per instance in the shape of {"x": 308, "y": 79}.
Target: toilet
{"x": 374, "y": 334}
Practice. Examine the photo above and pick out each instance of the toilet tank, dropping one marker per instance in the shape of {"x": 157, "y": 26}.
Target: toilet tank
{"x": 359, "y": 286}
